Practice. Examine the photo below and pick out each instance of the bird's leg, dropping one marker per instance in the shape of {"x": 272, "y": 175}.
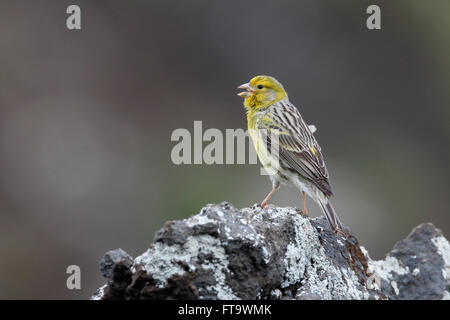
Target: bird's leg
{"x": 305, "y": 211}
{"x": 274, "y": 188}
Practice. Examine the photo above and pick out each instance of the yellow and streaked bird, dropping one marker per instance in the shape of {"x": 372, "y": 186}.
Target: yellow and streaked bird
{"x": 285, "y": 144}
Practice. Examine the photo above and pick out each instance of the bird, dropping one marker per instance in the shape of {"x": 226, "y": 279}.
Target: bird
{"x": 286, "y": 146}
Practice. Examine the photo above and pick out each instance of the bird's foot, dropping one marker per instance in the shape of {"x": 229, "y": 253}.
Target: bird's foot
{"x": 339, "y": 231}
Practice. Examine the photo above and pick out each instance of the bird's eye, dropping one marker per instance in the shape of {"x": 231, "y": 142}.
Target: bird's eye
{"x": 260, "y": 86}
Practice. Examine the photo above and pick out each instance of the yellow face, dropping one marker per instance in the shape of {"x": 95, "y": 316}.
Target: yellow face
{"x": 261, "y": 92}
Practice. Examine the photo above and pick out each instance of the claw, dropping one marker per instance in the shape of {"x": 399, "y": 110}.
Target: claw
{"x": 341, "y": 232}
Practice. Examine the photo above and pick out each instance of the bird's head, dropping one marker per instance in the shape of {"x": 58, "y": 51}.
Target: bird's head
{"x": 261, "y": 92}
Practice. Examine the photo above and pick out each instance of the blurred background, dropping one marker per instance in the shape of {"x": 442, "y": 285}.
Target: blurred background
{"x": 86, "y": 118}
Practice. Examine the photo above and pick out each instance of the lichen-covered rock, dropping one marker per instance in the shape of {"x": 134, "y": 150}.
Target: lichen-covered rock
{"x": 417, "y": 268}
{"x": 273, "y": 253}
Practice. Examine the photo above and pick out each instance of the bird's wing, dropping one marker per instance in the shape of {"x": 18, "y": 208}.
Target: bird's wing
{"x": 283, "y": 125}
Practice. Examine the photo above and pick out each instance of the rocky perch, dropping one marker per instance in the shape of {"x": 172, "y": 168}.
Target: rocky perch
{"x": 274, "y": 253}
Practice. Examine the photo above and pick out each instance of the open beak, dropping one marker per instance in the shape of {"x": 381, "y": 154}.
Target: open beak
{"x": 247, "y": 87}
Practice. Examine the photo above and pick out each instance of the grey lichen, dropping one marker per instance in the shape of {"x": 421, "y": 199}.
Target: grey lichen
{"x": 163, "y": 261}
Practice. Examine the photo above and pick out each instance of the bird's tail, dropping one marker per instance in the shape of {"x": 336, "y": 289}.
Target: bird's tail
{"x": 331, "y": 215}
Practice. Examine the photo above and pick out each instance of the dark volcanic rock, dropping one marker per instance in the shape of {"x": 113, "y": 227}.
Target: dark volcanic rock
{"x": 274, "y": 253}
{"x": 418, "y": 267}
{"x": 115, "y": 267}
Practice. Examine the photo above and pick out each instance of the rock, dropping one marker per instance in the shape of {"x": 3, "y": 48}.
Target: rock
{"x": 417, "y": 268}
{"x": 274, "y": 253}
{"x": 115, "y": 266}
